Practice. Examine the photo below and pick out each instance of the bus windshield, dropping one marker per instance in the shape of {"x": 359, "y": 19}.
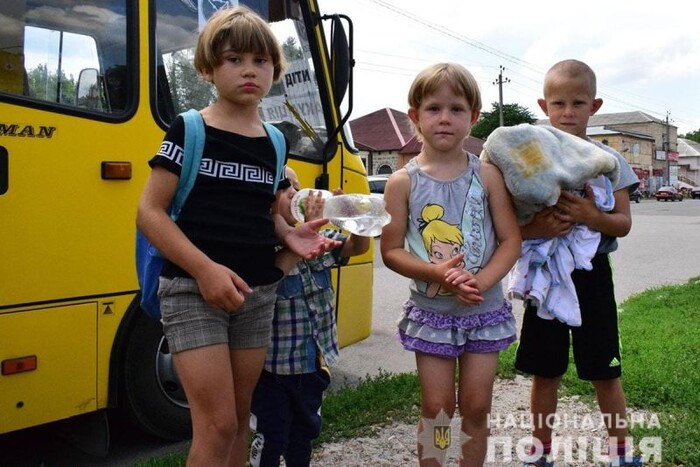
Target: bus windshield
{"x": 293, "y": 104}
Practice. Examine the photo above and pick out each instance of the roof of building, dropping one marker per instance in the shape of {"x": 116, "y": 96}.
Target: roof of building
{"x": 691, "y": 148}
{"x": 603, "y": 130}
{"x": 623, "y": 118}
{"x": 619, "y": 118}
{"x": 382, "y": 130}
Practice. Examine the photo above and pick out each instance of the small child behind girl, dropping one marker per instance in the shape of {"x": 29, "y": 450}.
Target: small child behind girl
{"x": 455, "y": 213}
{"x": 286, "y": 408}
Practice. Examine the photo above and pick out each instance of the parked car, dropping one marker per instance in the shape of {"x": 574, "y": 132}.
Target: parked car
{"x": 377, "y": 184}
{"x": 636, "y": 196}
{"x": 666, "y": 193}
{"x": 695, "y": 193}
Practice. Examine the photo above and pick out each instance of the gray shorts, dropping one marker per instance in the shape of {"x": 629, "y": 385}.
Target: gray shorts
{"x": 188, "y": 322}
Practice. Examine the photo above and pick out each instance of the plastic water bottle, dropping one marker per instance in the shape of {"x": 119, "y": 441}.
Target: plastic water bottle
{"x": 357, "y": 213}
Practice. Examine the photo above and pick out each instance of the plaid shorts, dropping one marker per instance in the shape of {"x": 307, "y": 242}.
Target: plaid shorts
{"x": 188, "y": 322}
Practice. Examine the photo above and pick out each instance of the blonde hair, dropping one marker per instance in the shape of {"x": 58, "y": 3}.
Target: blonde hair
{"x": 434, "y": 228}
{"x": 572, "y": 69}
{"x": 430, "y": 79}
{"x": 241, "y": 29}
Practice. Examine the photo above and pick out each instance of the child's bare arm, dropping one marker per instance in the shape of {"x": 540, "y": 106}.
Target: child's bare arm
{"x": 354, "y": 245}
{"x": 506, "y": 227}
{"x": 285, "y": 260}
{"x": 394, "y": 253}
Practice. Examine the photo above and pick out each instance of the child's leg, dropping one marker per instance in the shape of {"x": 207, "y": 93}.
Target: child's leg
{"x": 543, "y": 406}
{"x": 206, "y": 377}
{"x": 596, "y": 347}
{"x": 246, "y": 365}
{"x": 611, "y": 400}
{"x": 306, "y": 422}
{"x": 437, "y": 381}
{"x": 271, "y": 419}
{"x": 477, "y": 372}
{"x": 543, "y": 351}
{"x": 249, "y": 330}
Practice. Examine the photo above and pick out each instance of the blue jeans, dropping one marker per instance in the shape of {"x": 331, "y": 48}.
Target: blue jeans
{"x": 286, "y": 418}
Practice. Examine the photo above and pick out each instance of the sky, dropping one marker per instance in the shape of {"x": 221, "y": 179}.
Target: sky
{"x": 646, "y": 54}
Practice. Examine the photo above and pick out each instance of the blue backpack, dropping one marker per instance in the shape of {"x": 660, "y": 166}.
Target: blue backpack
{"x": 149, "y": 261}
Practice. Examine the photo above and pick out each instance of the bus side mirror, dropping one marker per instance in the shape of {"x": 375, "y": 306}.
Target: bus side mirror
{"x": 88, "y": 89}
{"x": 342, "y": 63}
{"x": 342, "y": 60}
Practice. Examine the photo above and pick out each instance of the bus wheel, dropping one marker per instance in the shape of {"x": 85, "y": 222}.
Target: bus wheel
{"x": 150, "y": 390}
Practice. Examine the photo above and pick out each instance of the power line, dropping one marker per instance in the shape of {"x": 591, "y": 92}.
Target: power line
{"x": 508, "y": 57}
{"x": 441, "y": 29}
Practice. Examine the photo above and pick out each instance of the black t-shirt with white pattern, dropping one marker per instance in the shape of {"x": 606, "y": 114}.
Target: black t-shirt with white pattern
{"x": 227, "y": 213}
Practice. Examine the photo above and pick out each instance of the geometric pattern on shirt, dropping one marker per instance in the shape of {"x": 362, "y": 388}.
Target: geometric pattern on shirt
{"x": 218, "y": 169}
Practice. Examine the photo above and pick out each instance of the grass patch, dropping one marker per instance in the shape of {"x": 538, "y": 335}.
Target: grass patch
{"x": 377, "y": 401}
{"x": 660, "y": 331}
{"x": 660, "y": 338}
{"x": 171, "y": 460}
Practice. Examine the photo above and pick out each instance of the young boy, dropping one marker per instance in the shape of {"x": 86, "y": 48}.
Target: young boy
{"x": 287, "y": 399}
{"x": 569, "y": 100}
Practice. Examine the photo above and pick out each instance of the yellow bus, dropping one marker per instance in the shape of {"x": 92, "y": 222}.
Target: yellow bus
{"x": 87, "y": 89}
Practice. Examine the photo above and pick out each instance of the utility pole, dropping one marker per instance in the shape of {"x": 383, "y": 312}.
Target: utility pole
{"x": 499, "y": 81}
{"x": 668, "y": 150}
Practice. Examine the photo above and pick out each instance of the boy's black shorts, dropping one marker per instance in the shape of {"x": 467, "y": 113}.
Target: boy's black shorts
{"x": 543, "y": 349}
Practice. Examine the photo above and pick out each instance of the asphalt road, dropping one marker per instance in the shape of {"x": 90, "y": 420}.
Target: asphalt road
{"x": 662, "y": 248}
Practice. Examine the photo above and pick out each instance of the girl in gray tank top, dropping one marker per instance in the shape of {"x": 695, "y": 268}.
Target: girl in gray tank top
{"x": 456, "y": 217}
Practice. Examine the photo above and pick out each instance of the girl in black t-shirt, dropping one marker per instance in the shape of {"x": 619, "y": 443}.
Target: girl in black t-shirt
{"x": 217, "y": 288}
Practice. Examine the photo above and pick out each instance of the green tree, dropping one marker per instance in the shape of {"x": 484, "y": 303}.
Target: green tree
{"x": 291, "y": 50}
{"x": 188, "y": 89}
{"x": 693, "y": 136}
{"x": 513, "y": 114}
{"x": 43, "y": 85}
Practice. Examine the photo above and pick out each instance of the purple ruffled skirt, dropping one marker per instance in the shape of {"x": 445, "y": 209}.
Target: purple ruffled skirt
{"x": 450, "y": 336}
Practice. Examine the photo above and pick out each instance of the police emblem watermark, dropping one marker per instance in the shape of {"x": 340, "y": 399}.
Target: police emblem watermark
{"x": 441, "y": 436}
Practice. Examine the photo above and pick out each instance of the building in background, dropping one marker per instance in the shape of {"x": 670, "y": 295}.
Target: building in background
{"x": 637, "y": 149}
{"x": 663, "y": 169}
{"x": 688, "y": 162}
{"x": 386, "y": 141}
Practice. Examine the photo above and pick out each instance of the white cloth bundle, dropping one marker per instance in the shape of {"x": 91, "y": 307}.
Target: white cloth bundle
{"x": 539, "y": 161}
{"x": 542, "y": 274}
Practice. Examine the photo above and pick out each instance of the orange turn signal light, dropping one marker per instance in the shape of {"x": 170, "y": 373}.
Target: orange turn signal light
{"x": 116, "y": 170}
{"x": 18, "y": 365}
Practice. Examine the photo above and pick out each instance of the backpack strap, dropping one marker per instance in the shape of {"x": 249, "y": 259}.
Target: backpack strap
{"x": 191, "y": 158}
{"x": 278, "y": 142}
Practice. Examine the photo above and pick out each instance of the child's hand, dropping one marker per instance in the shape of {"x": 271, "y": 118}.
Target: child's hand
{"x": 222, "y": 288}
{"x": 444, "y": 268}
{"x": 305, "y": 241}
{"x": 464, "y": 285}
{"x": 546, "y": 224}
{"x": 313, "y": 206}
{"x": 576, "y": 209}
